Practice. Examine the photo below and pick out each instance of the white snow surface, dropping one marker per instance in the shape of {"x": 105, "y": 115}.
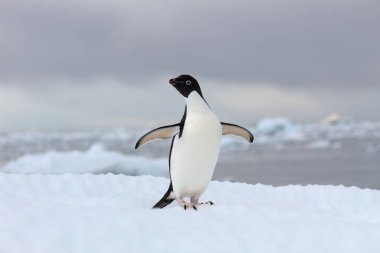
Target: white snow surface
{"x": 112, "y": 213}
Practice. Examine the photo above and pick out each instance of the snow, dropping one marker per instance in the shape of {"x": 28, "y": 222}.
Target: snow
{"x": 112, "y": 213}
{"x": 96, "y": 160}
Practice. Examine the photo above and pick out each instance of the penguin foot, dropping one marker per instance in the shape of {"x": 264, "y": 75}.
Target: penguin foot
{"x": 186, "y": 205}
{"x": 189, "y": 205}
{"x": 207, "y": 203}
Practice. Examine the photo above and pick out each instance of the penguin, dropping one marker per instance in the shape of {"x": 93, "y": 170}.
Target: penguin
{"x": 195, "y": 145}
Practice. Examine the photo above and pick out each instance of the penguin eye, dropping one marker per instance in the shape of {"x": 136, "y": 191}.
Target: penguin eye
{"x": 188, "y": 82}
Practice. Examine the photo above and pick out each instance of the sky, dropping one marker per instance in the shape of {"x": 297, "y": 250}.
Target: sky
{"x": 84, "y": 64}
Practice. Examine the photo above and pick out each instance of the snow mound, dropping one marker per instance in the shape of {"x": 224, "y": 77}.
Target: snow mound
{"x": 96, "y": 160}
{"x": 112, "y": 213}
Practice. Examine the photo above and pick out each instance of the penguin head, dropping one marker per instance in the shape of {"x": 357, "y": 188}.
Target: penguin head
{"x": 186, "y": 84}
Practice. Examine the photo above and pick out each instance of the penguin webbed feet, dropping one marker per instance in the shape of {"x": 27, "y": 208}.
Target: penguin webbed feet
{"x": 186, "y": 205}
{"x": 194, "y": 203}
{"x": 207, "y": 203}
{"x": 190, "y": 205}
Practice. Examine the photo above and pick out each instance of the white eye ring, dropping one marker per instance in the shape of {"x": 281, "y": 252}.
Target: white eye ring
{"x": 188, "y": 82}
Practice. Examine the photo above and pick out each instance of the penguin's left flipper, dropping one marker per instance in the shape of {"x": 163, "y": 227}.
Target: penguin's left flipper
{"x": 228, "y": 128}
{"x": 164, "y": 132}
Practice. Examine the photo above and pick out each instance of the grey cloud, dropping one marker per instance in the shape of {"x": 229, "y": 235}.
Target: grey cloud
{"x": 294, "y": 42}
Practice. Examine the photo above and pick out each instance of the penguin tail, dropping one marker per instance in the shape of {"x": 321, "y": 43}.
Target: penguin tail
{"x": 166, "y": 199}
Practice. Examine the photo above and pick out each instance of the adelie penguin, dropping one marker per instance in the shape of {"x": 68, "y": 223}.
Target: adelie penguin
{"x": 195, "y": 145}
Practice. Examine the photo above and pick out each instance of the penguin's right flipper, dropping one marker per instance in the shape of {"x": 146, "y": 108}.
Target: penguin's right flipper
{"x": 166, "y": 199}
{"x": 164, "y": 132}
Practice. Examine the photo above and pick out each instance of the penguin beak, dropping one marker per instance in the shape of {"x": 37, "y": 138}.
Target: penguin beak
{"x": 172, "y": 81}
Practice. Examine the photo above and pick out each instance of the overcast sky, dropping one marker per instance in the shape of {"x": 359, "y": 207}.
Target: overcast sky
{"x": 89, "y": 63}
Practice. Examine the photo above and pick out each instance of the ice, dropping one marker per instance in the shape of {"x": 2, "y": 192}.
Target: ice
{"x": 272, "y": 130}
{"x": 95, "y": 160}
{"x": 268, "y": 131}
{"x": 112, "y": 150}
{"x": 274, "y": 126}
{"x": 112, "y": 213}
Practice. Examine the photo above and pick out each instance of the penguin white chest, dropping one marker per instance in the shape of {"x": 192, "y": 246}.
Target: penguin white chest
{"x": 195, "y": 153}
